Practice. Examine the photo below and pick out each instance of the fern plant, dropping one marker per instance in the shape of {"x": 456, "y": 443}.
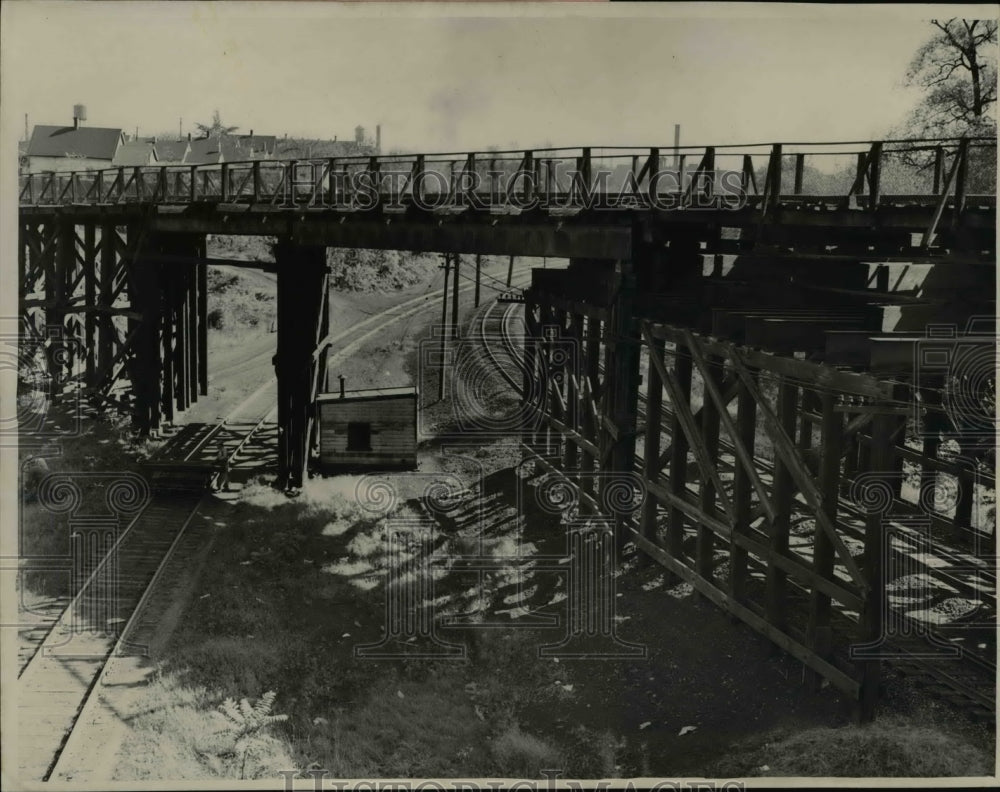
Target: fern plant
{"x": 248, "y": 722}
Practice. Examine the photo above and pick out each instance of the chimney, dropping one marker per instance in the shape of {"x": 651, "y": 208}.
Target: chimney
{"x": 359, "y": 134}
{"x": 79, "y": 114}
{"x": 378, "y": 138}
{"x": 342, "y": 389}
{"x": 677, "y": 144}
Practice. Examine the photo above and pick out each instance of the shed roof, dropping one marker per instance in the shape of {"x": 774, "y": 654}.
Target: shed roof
{"x": 205, "y": 151}
{"x": 135, "y": 152}
{"x": 90, "y": 142}
{"x": 368, "y": 394}
{"x": 171, "y": 150}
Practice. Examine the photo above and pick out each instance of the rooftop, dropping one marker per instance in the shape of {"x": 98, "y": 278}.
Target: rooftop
{"x": 90, "y": 142}
{"x": 367, "y": 394}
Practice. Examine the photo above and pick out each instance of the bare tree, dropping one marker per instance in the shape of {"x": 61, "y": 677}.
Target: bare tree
{"x": 957, "y": 69}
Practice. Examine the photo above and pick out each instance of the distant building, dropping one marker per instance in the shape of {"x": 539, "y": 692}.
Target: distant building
{"x": 171, "y": 152}
{"x": 135, "y": 152}
{"x": 73, "y": 148}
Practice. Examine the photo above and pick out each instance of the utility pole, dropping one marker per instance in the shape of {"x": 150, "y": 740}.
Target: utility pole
{"x": 677, "y": 146}
{"x": 444, "y": 328}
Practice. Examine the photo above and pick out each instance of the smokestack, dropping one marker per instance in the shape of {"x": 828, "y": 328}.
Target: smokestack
{"x": 378, "y": 138}
{"x": 677, "y": 146}
{"x": 343, "y": 390}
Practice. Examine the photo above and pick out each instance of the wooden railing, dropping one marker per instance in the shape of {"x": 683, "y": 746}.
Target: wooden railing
{"x": 760, "y": 175}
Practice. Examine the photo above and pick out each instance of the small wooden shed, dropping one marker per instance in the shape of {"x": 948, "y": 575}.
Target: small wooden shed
{"x": 374, "y": 428}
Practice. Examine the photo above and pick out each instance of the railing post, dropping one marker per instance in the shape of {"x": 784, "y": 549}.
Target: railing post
{"x": 193, "y": 187}
{"x": 654, "y": 174}
{"x": 776, "y": 174}
{"x": 938, "y": 169}
{"x": 528, "y": 169}
{"x": 163, "y": 182}
{"x": 418, "y": 179}
{"x": 586, "y": 172}
{"x": 225, "y": 182}
{"x": 332, "y": 166}
{"x": 960, "y": 180}
{"x": 800, "y": 163}
{"x": 875, "y": 176}
{"x": 72, "y": 187}
{"x": 256, "y": 181}
{"x": 139, "y": 186}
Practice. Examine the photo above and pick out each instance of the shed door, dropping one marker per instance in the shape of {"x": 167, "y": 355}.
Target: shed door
{"x": 359, "y": 436}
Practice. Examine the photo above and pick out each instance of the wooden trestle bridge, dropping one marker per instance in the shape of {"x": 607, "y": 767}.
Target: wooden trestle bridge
{"x": 795, "y": 352}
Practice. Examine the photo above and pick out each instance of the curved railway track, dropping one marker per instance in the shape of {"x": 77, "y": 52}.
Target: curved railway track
{"x": 66, "y": 663}
{"x": 916, "y": 652}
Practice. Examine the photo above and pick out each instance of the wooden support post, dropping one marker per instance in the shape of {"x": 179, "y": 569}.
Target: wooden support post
{"x": 651, "y": 449}
{"x": 181, "y": 335}
{"x": 106, "y": 330}
{"x": 457, "y": 259}
{"x": 746, "y": 425}
{"x": 301, "y": 281}
{"x": 552, "y": 316}
{"x": 678, "y": 456}
{"x": 193, "y": 341}
{"x": 57, "y": 296}
{"x": 531, "y": 386}
{"x": 574, "y": 372}
{"x": 776, "y": 593}
{"x": 510, "y": 271}
{"x": 479, "y": 267}
{"x": 167, "y": 400}
{"x": 623, "y": 384}
{"x": 592, "y": 373}
{"x": 819, "y": 633}
{"x": 146, "y": 299}
{"x": 872, "y": 615}
{"x": 444, "y": 327}
{"x": 202, "y": 320}
{"x": 705, "y": 549}
{"x": 90, "y": 265}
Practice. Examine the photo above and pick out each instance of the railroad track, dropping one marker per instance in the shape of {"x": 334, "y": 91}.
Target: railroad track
{"x": 916, "y": 652}
{"x": 63, "y": 672}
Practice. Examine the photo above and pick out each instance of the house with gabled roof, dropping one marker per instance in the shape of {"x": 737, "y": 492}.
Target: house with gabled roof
{"x": 72, "y": 148}
{"x": 135, "y": 152}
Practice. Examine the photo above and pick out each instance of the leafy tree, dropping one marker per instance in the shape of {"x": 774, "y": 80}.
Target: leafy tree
{"x": 957, "y": 69}
{"x": 216, "y": 128}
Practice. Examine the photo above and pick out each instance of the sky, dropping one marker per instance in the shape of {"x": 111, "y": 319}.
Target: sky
{"x": 451, "y": 77}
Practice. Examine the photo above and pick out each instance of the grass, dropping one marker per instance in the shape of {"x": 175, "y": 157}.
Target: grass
{"x": 272, "y": 613}
{"x": 891, "y": 747}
